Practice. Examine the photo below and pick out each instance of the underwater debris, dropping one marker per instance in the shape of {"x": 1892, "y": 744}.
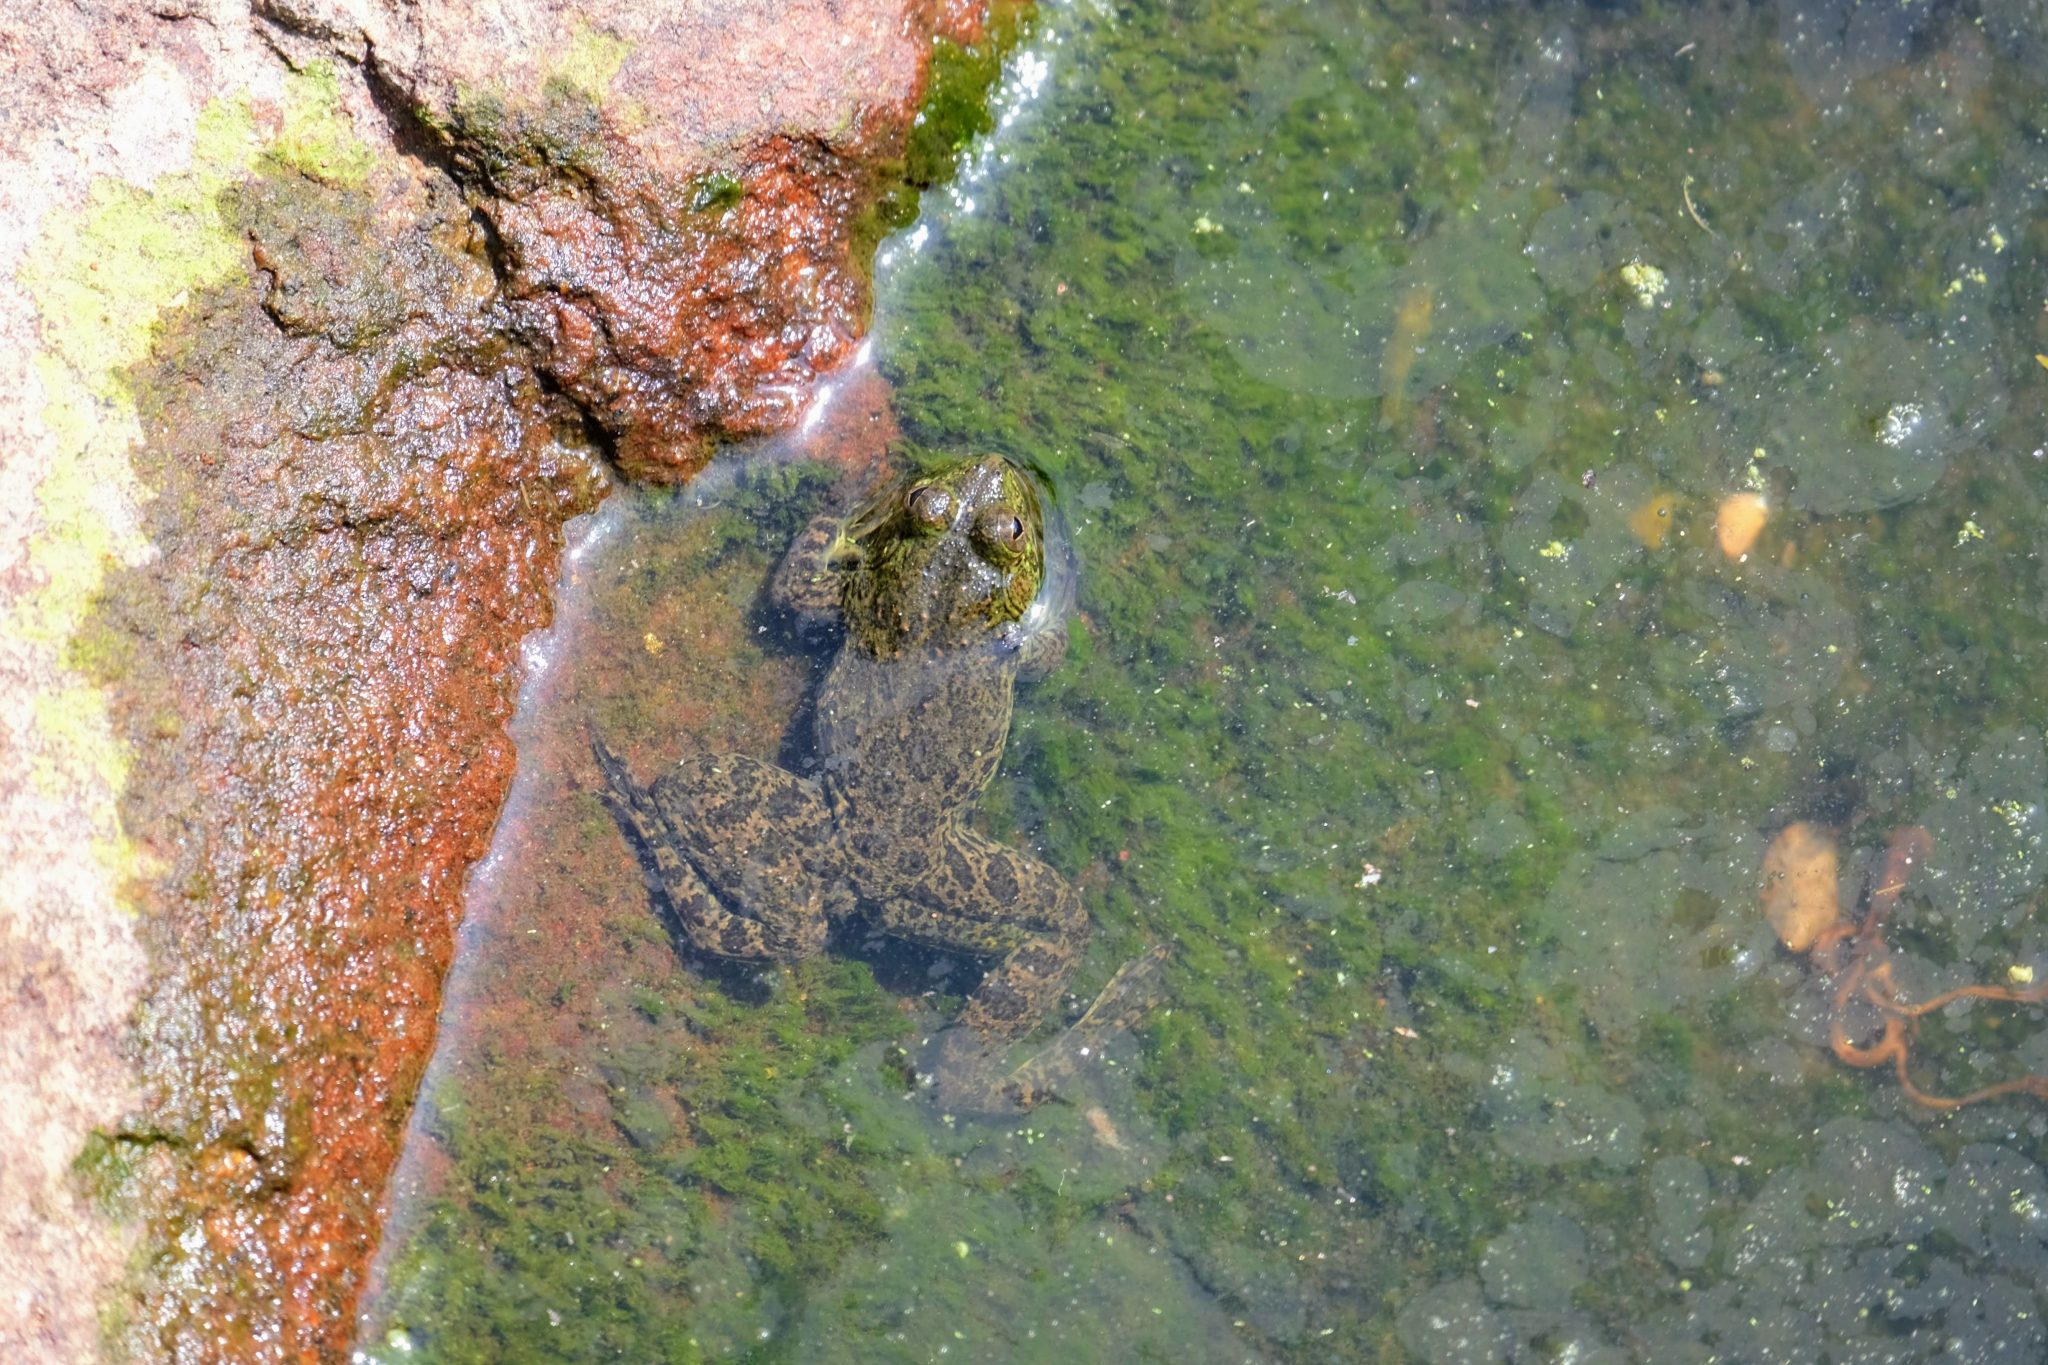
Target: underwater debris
{"x": 1397, "y": 361}
{"x": 1859, "y": 960}
{"x": 1651, "y": 522}
{"x": 1645, "y": 281}
{"x": 1103, "y": 1130}
{"x": 1799, "y": 895}
{"x": 1740, "y": 521}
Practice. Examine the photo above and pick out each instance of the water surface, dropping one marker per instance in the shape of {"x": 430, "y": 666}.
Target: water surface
{"x": 1393, "y": 365}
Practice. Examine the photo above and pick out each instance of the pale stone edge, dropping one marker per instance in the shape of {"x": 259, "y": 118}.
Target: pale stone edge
{"x": 71, "y": 966}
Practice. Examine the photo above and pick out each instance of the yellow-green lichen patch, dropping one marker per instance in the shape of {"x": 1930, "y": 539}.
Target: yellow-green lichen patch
{"x": 316, "y": 137}
{"x": 102, "y": 279}
{"x": 592, "y": 62}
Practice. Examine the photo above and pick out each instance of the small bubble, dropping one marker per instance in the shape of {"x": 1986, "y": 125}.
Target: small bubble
{"x": 1899, "y": 423}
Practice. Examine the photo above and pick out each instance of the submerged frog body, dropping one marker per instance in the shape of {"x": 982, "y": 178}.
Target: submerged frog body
{"x": 940, "y": 587}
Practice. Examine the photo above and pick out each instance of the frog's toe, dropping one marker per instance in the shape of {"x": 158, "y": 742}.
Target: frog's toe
{"x": 1136, "y": 989}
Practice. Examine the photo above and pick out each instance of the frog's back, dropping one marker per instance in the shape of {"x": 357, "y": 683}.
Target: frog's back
{"x": 909, "y": 742}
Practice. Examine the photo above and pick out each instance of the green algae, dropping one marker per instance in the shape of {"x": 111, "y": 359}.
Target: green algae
{"x": 1448, "y": 790}
{"x": 955, "y": 112}
{"x": 1349, "y": 734}
{"x": 625, "y": 1275}
{"x": 716, "y": 191}
{"x": 956, "y": 108}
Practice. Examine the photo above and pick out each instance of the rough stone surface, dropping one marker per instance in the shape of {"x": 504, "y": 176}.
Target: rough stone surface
{"x": 316, "y": 324}
{"x": 71, "y": 115}
{"x": 677, "y": 310}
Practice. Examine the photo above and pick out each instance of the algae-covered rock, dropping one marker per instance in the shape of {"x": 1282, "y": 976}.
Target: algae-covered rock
{"x": 322, "y": 318}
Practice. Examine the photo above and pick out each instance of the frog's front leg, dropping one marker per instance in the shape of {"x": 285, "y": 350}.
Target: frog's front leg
{"x": 806, "y": 583}
{"x": 1042, "y": 651}
{"x": 743, "y": 852}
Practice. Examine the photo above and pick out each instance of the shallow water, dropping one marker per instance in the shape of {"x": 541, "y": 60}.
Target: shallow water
{"x": 1393, "y": 367}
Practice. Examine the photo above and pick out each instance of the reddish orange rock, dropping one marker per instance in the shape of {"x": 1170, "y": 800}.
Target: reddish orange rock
{"x": 674, "y": 193}
{"x": 574, "y": 239}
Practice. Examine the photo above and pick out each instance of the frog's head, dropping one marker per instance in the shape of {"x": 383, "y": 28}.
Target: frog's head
{"x": 946, "y": 557}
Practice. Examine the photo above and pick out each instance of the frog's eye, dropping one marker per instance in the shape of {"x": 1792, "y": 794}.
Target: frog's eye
{"x": 1000, "y": 528}
{"x": 931, "y": 506}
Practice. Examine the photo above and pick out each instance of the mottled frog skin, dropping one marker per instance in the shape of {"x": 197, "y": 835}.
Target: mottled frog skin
{"x": 939, "y": 585}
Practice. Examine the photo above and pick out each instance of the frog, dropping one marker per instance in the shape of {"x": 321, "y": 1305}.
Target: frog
{"x": 938, "y": 593}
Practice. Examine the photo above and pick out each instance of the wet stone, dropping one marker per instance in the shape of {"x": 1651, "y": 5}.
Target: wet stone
{"x": 1450, "y": 1324}
{"x": 1679, "y": 1199}
{"x": 344, "y": 346}
{"x": 1537, "y": 1263}
{"x": 1543, "y": 1117}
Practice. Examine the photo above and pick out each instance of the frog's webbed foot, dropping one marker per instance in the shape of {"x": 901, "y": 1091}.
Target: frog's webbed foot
{"x": 967, "y": 1070}
{"x": 739, "y": 849}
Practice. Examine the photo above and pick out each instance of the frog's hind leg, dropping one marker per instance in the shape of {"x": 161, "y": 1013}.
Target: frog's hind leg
{"x": 758, "y": 904}
{"x": 639, "y": 821}
{"x": 1130, "y": 995}
{"x": 986, "y": 898}
{"x": 983, "y": 897}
